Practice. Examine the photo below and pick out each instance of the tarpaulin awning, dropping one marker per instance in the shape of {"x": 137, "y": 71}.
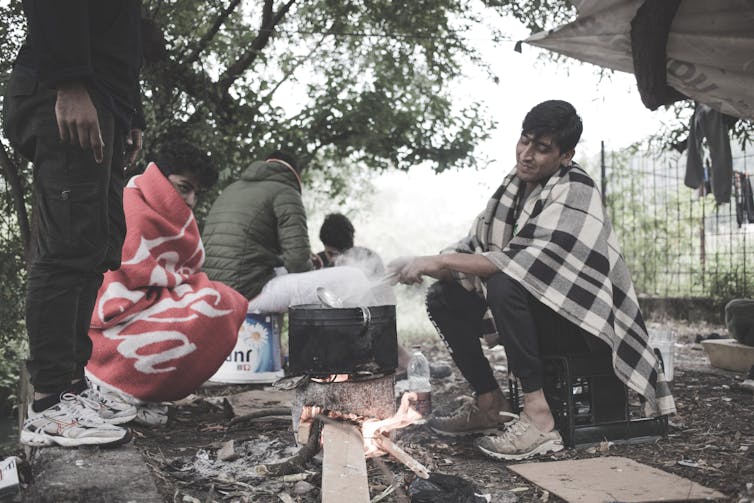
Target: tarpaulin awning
{"x": 709, "y": 49}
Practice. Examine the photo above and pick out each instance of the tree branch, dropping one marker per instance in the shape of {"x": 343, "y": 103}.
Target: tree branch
{"x": 207, "y": 38}
{"x": 175, "y": 75}
{"x": 10, "y": 173}
{"x": 269, "y": 22}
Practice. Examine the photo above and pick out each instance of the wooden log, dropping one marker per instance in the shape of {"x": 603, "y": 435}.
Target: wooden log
{"x": 394, "y": 450}
{"x": 374, "y": 398}
{"x": 344, "y": 468}
{"x": 277, "y": 411}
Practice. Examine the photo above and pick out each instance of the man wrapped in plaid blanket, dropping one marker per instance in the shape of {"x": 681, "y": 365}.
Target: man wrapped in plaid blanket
{"x": 541, "y": 255}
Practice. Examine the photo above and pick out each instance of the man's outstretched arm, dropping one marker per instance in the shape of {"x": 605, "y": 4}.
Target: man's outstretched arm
{"x": 441, "y": 266}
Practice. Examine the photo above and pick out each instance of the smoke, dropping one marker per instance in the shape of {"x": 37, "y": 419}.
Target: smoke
{"x": 379, "y": 291}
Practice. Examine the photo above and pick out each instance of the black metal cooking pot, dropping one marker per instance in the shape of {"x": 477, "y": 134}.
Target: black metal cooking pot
{"x": 325, "y": 340}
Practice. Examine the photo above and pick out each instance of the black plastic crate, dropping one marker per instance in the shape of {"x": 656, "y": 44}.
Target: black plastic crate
{"x": 590, "y": 404}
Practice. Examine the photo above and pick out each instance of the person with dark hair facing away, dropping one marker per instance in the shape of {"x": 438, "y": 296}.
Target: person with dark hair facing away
{"x": 257, "y": 241}
{"x": 72, "y": 106}
{"x": 540, "y": 258}
{"x": 160, "y": 327}
{"x": 337, "y": 236}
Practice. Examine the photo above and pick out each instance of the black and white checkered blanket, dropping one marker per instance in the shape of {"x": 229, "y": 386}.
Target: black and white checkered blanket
{"x": 565, "y": 253}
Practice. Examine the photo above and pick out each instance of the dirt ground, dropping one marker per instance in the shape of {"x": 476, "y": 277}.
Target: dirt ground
{"x": 710, "y": 441}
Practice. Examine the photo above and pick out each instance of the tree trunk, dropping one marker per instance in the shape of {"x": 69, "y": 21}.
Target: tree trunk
{"x": 11, "y": 174}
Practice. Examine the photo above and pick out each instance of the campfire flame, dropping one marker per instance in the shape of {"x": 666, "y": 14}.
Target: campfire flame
{"x": 375, "y": 432}
{"x": 371, "y": 429}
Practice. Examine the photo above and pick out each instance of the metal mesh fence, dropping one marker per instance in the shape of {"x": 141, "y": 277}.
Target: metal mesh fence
{"x": 677, "y": 241}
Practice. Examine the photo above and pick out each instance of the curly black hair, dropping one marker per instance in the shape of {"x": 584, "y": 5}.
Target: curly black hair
{"x": 337, "y": 231}
{"x": 180, "y": 156}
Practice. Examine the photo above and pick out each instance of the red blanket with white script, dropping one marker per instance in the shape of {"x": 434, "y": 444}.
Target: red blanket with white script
{"x": 160, "y": 327}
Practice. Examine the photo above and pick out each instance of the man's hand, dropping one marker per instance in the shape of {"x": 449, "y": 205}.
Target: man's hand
{"x": 77, "y": 119}
{"x": 133, "y": 145}
{"x": 412, "y": 269}
{"x": 316, "y": 261}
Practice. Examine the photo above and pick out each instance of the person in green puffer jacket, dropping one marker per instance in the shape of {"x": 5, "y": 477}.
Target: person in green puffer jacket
{"x": 256, "y": 240}
{"x": 258, "y": 224}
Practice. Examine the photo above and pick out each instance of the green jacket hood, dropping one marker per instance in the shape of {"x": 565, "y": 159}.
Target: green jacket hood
{"x": 272, "y": 171}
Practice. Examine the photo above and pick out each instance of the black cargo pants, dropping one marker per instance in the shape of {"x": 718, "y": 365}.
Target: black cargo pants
{"x": 527, "y": 328}
{"x": 77, "y": 231}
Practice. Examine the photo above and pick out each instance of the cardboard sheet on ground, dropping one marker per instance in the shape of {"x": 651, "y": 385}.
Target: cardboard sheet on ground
{"x": 611, "y": 478}
{"x": 259, "y": 399}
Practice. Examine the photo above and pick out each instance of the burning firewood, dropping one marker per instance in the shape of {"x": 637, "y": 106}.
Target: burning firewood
{"x": 394, "y": 450}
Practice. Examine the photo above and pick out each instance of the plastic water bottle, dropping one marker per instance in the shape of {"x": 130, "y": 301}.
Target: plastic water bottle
{"x": 418, "y": 382}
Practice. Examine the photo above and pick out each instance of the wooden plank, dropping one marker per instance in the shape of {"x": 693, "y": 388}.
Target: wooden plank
{"x": 344, "y": 468}
{"x": 253, "y": 400}
{"x": 611, "y": 478}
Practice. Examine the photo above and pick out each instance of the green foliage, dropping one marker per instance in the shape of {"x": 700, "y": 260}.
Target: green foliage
{"x": 537, "y": 15}
{"x": 12, "y": 266}
{"x": 729, "y": 285}
{"x": 362, "y": 81}
{"x": 12, "y": 327}
{"x": 12, "y": 25}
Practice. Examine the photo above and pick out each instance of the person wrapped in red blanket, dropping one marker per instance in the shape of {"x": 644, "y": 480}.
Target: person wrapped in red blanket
{"x": 160, "y": 327}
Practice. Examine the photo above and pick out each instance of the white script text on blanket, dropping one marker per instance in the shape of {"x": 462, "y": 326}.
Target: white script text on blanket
{"x": 160, "y": 327}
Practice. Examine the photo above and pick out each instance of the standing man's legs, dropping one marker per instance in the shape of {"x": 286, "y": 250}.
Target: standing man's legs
{"x": 72, "y": 248}
{"x": 78, "y": 233}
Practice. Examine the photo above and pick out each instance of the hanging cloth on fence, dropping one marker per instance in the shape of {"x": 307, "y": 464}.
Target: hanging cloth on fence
{"x": 748, "y": 197}
{"x": 709, "y": 123}
{"x": 744, "y": 198}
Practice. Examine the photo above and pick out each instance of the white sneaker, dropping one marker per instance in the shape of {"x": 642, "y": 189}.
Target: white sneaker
{"x": 70, "y": 423}
{"x": 521, "y": 440}
{"x": 151, "y": 414}
{"x": 110, "y": 406}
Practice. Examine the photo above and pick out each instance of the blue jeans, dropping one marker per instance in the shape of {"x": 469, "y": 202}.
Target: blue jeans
{"x": 77, "y": 230}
